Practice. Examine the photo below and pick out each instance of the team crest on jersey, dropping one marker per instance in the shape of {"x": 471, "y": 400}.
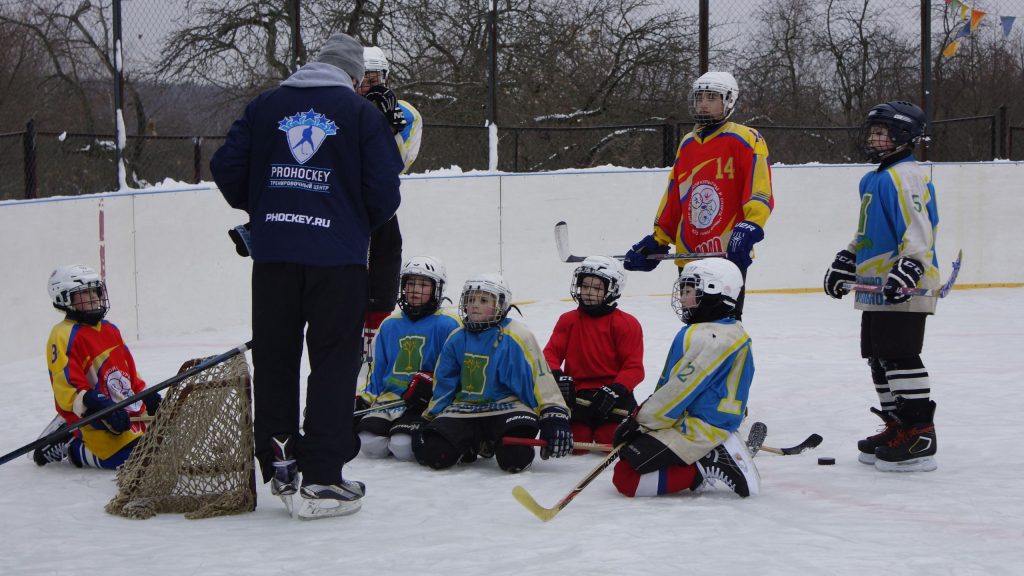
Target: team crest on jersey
{"x": 306, "y": 131}
{"x": 705, "y": 205}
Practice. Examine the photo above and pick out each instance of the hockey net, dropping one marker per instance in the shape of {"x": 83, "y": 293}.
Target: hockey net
{"x": 196, "y": 456}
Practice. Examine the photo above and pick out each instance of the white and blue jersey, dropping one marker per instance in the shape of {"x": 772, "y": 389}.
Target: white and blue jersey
{"x": 898, "y": 218}
{"x": 402, "y": 348}
{"x": 497, "y": 369}
{"x": 409, "y": 138}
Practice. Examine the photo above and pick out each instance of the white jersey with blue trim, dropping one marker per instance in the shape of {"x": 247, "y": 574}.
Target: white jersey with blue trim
{"x": 482, "y": 371}
{"x": 706, "y": 380}
{"x": 402, "y": 348}
{"x": 409, "y": 138}
{"x": 898, "y": 218}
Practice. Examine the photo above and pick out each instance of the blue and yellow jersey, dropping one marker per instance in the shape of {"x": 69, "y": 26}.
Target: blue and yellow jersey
{"x": 718, "y": 180}
{"x": 899, "y": 217}
{"x": 706, "y": 380}
{"x": 409, "y": 138}
{"x": 80, "y": 358}
{"x": 401, "y": 349}
{"x": 500, "y": 364}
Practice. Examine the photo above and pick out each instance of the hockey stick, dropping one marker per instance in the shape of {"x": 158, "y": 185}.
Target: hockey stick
{"x": 592, "y": 446}
{"x": 562, "y": 244}
{"x": 387, "y": 406}
{"x": 545, "y": 514}
{"x": 812, "y": 441}
{"x": 99, "y": 414}
{"x": 940, "y": 292}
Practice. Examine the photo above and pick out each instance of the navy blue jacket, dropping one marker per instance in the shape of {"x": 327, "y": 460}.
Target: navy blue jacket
{"x": 316, "y": 167}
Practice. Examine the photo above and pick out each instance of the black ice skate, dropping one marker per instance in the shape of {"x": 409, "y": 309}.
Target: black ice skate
{"x": 53, "y": 452}
{"x": 285, "y": 482}
{"x": 868, "y": 445}
{"x": 327, "y": 501}
{"x": 913, "y": 447}
{"x": 731, "y": 464}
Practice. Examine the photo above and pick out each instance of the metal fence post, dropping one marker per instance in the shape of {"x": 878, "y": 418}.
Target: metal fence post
{"x": 29, "y": 145}
{"x": 1003, "y": 132}
{"x": 197, "y": 158}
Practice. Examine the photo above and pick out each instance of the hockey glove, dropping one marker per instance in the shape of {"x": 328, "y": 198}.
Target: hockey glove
{"x": 905, "y": 273}
{"x": 152, "y": 403}
{"x": 566, "y": 386}
{"x": 636, "y": 259}
{"x": 242, "y": 238}
{"x": 385, "y": 101}
{"x": 116, "y": 422}
{"x": 610, "y": 397}
{"x": 627, "y": 431}
{"x": 843, "y": 269}
{"x": 359, "y": 404}
{"x": 556, "y": 431}
{"x": 742, "y": 241}
{"x": 419, "y": 392}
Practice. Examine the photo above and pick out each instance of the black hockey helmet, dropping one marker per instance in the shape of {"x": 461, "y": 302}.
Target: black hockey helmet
{"x": 906, "y": 123}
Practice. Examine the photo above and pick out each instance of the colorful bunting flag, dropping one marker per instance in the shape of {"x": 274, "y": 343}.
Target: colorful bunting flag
{"x": 976, "y": 16}
{"x": 1007, "y": 23}
{"x": 951, "y": 49}
{"x": 963, "y": 32}
{"x": 963, "y": 10}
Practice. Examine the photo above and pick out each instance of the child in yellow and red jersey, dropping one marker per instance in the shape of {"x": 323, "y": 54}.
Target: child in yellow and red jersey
{"x": 90, "y": 369}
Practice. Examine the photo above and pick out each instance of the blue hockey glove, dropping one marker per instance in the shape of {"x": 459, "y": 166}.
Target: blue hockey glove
{"x": 241, "y": 235}
{"x": 556, "y": 431}
{"x": 905, "y": 273}
{"x": 636, "y": 259}
{"x": 742, "y": 241}
{"x": 152, "y": 403}
{"x": 843, "y": 269}
{"x": 116, "y": 422}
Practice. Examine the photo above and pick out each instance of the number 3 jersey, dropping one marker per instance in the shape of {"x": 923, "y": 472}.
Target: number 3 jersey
{"x": 706, "y": 381}
{"x": 80, "y": 358}
{"x": 718, "y": 180}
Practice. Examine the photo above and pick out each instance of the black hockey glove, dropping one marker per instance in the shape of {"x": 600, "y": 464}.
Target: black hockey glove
{"x": 567, "y": 387}
{"x": 385, "y": 101}
{"x": 152, "y": 403}
{"x": 421, "y": 389}
{"x": 627, "y": 431}
{"x": 636, "y": 259}
{"x": 242, "y": 238}
{"x": 358, "y": 404}
{"x": 843, "y": 269}
{"x": 116, "y": 422}
{"x": 741, "y": 242}
{"x": 556, "y": 431}
{"x": 610, "y": 397}
{"x": 905, "y": 273}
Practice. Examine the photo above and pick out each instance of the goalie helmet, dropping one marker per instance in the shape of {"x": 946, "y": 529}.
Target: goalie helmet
{"x": 905, "y": 121}
{"x": 608, "y": 270}
{"x": 721, "y": 83}
{"x": 707, "y": 290}
{"x": 494, "y": 285}
{"x": 66, "y": 281}
{"x": 374, "y": 60}
{"x": 427, "y": 267}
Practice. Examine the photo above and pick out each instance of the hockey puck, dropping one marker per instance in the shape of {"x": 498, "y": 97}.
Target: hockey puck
{"x": 823, "y": 461}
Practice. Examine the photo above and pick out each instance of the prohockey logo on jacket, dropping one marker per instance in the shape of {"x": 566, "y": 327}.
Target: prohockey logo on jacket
{"x": 306, "y": 131}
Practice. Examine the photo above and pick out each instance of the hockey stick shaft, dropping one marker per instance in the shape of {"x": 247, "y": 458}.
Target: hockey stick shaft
{"x": 940, "y": 292}
{"x": 386, "y": 406}
{"x": 545, "y": 514}
{"x": 100, "y": 414}
{"x": 592, "y": 446}
{"x": 566, "y": 255}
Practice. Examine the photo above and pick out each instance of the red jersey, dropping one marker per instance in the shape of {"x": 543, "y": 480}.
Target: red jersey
{"x": 597, "y": 351}
{"x": 717, "y": 181}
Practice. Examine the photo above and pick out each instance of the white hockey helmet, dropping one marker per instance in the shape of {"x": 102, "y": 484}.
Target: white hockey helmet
{"x": 427, "y": 267}
{"x": 707, "y": 290}
{"x": 607, "y": 269}
{"x": 722, "y": 83}
{"x": 374, "y": 60}
{"x": 68, "y": 280}
{"x": 494, "y": 285}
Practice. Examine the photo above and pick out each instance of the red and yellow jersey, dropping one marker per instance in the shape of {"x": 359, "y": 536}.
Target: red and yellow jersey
{"x": 80, "y": 358}
{"x": 717, "y": 181}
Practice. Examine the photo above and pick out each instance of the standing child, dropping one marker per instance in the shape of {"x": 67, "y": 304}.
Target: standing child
{"x": 685, "y": 433}
{"x": 406, "y": 352}
{"x": 894, "y": 247}
{"x": 492, "y": 382}
{"x": 596, "y": 352}
{"x": 91, "y": 368}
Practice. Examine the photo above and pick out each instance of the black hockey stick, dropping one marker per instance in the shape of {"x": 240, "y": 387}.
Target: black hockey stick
{"x": 940, "y": 292}
{"x": 566, "y": 255}
{"x": 812, "y": 441}
{"x": 99, "y": 414}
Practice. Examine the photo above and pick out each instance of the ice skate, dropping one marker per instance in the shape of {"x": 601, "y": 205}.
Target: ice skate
{"x": 732, "y": 464}
{"x": 327, "y": 501}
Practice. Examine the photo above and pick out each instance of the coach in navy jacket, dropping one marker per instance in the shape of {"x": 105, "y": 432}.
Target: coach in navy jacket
{"x": 316, "y": 167}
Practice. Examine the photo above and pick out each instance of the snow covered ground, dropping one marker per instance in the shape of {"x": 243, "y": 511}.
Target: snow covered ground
{"x": 965, "y": 518}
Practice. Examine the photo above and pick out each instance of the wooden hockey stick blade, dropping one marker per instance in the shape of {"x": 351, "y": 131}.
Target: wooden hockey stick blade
{"x": 940, "y": 292}
{"x": 545, "y": 514}
{"x": 756, "y": 436}
{"x": 566, "y": 255}
{"x": 592, "y": 446}
{"x": 811, "y": 442}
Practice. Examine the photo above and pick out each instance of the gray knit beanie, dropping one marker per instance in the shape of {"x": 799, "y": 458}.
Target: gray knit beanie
{"x": 345, "y": 52}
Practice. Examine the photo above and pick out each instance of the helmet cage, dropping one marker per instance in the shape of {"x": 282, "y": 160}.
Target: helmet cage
{"x": 906, "y": 125}
{"x": 721, "y": 83}
{"x": 487, "y": 284}
{"x": 424, "y": 267}
{"x": 606, "y": 270}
